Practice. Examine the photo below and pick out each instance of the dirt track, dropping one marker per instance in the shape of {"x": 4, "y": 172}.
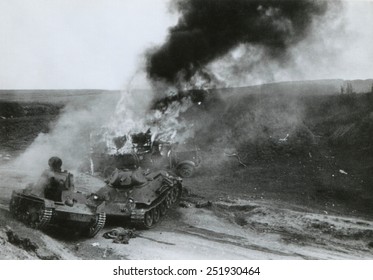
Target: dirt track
{"x": 232, "y": 228}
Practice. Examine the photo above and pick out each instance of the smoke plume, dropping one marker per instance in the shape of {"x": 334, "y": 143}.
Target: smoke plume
{"x": 208, "y": 29}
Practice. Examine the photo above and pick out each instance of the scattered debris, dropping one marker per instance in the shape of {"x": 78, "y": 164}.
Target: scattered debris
{"x": 343, "y": 172}
{"x": 96, "y": 244}
{"x": 185, "y": 204}
{"x": 284, "y": 139}
{"x": 238, "y": 158}
{"x": 204, "y": 204}
{"x": 120, "y": 235}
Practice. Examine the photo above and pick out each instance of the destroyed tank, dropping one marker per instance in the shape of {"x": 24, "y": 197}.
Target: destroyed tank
{"x": 44, "y": 205}
{"x": 142, "y": 199}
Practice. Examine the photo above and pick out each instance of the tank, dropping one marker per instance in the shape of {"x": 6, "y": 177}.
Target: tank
{"x": 139, "y": 198}
{"x": 40, "y": 208}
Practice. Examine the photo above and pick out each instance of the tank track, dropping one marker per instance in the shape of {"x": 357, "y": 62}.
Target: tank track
{"x": 36, "y": 215}
{"x": 146, "y": 218}
{"x": 98, "y": 225}
{"x": 45, "y": 218}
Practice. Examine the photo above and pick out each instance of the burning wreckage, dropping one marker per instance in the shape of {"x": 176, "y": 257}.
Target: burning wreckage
{"x": 142, "y": 199}
{"x": 146, "y": 149}
{"x": 132, "y": 194}
{"x": 147, "y": 154}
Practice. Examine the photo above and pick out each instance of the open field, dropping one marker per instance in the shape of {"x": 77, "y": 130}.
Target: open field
{"x": 288, "y": 175}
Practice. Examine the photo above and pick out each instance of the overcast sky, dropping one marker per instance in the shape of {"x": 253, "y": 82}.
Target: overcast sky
{"x": 74, "y": 44}
{"x": 77, "y": 43}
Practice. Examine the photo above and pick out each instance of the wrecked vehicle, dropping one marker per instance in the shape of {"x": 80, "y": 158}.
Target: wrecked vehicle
{"x": 142, "y": 199}
{"x": 105, "y": 164}
{"x": 183, "y": 162}
{"x": 53, "y": 201}
{"x": 159, "y": 155}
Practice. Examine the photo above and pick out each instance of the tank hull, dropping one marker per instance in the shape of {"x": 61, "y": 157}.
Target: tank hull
{"x": 142, "y": 206}
{"x": 41, "y": 213}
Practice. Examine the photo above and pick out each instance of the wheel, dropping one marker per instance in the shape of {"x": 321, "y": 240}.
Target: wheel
{"x": 97, "y": 225}
{"x": 162, "y": 208}
{"x": 185, "y": 170}
{"x": 34, "y": 217}
{"x": 168, "y": 201}
{"x": 156, "y": 215}
{"x": 37, "y": 216}
{"x": 175, "y": 192}
{"x": 172, "y": 197}
{"x": 148, "y": 219}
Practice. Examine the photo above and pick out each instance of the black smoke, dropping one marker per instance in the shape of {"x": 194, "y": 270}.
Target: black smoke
{"x": 208, "y": 29}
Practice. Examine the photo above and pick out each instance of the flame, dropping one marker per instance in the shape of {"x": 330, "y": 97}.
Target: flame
{"x": 133, "y": 116}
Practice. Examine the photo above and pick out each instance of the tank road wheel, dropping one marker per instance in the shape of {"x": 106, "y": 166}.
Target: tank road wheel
{"x": 175, "y": 194}
{"x": 97, "y": 225}
{"x": 178, "y": 192}
{"x": 156, "y": 214}
{"x": 38, "y": 216}
{"x": 172, "y": 197}
{"x": 148, "y": 219}
{"x": 168, "y": 201}
{"x": 162, "y": 208}
{"x": 185, "y": 170}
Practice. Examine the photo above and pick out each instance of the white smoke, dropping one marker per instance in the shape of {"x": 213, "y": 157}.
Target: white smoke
{"x": 105, "y": 44}
{"x": 69, "y": 136}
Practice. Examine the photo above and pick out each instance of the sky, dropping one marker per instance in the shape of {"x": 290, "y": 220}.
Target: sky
{"x": 77, "y": 43}
{"x": 99, "y": 44}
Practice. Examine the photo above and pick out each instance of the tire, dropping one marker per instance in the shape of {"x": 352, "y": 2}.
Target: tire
{"x": 185, "y": 170}
{"x": 156, "y": 215}
{"x": 148, "y": 220}
{"x": 162, "y": 209}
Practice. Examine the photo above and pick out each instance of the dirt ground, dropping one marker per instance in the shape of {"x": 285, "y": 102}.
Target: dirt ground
{"x": 306, "y": 197}
{"x": 232, "y": 227}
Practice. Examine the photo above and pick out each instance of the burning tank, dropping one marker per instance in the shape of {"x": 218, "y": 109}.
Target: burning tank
{"x": 138, "y": 197}
{"x": 147, "y": 153}
{"x": 53, "y": 201}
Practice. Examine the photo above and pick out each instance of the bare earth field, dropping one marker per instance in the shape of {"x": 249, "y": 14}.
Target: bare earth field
{"x": 234, "y": 227}
{"x": 307, "y": 197}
